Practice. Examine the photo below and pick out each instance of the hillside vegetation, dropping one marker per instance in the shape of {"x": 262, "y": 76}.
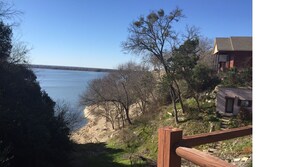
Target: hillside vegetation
{"x": 136, "y": 144}
{"x": 172, "y": 87}
{"x": 179, "y": 93}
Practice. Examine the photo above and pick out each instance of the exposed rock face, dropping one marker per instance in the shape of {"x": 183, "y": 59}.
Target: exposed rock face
{"x": 96, "y": 130}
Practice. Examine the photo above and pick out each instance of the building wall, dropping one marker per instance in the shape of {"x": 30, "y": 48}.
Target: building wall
{"x": 238, "y": 59}
{"x": 242, "y": 59}
{"x": 221, "y": 102}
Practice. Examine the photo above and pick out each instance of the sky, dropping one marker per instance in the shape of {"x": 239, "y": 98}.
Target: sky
{"x": 89, "y": 33}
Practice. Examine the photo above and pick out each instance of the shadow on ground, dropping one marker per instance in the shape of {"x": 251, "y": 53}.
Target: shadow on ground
{"x": 97, "y": 155}
{"x": 94, "y": 155}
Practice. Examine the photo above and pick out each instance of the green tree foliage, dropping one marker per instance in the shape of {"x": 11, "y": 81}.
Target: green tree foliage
{"x": 237, "y": 78}
{"x": 185, "y": 66}
{"x": 27, "y": 122}
{"x": 5, "y": 41}
{"x": 184, "y": 59}
{"x": 203, "y": 79}
{"x": 30, "y": 133}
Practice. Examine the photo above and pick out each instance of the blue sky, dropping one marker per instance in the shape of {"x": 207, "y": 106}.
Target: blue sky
{"x": 89, "y": 33}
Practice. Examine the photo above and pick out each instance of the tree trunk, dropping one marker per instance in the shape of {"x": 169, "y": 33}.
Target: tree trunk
{"x": 122, "y": 117}
{"x": 117, "y": 119}
{"x": 127, "y": 115}
{"x": 112, "y": 124}
{"x": 106, "y": 118}
{"x": 172, "y": 93}
{"x": 196, "y": 97}
{"x": 179, "y": 97}
{"x": 123, "y": 120}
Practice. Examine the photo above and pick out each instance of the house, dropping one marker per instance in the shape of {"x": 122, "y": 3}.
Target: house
{"x": 229, "y": 101}
{"x": 232, "y": 52}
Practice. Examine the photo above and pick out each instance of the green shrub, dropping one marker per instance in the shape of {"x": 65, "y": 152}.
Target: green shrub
{"x": 245, "y": 115}
{"x": 27, "y": 120}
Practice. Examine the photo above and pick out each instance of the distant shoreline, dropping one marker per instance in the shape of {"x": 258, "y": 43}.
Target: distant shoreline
{"x": 53, "y": 67}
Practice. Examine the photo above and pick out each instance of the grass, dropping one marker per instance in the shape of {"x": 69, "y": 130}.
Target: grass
{"x": 141, "y": 138}
{"x": 237, "y": 146}
{"x": 102, "y": 154}
{"x": 138, "y": 140}
{"x": 136, "y": 145}
{"x": 96, "y": 155}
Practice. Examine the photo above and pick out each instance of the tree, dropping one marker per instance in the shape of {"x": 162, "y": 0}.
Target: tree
{"x": 184, "y": 59}
{"x": 141, "y": 83}
{"x": 104, "y": 91}
{"x": 5, "y": 40}
{"x": 27, "y": 120}
{"x": 237, "y": 78}
{"x": 154, "y": 36}
{"x": 71, "y": 117}
{"x": 31, "y": 133}
{"x": 122, "y": 87}
{"x": 184, "y": 64}
{"x": 7, "y": 11}
{"x": 203, "y": 79}
{"x": 206, "y": 46}
{"x": 18, "y": 53}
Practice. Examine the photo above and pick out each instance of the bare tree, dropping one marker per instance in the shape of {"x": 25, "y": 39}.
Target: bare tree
{"x": 143, "y": 85}
{"x": 104, "y": 91}
{"x": 154, "y": 36}
{"x": 7, "y": 11}
{"x": 105, "y": 110}
{"x": 203, "y": 49}
{"x": 123, "y": 88}
{"x": 73, "y": 118}
{"x": 205, "y": 46}
{"x": 12, "y": 51}
{"x": 19, "y": 53}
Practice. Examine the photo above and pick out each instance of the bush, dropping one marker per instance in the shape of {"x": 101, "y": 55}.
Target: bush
{"x": 27, "y": 121}
{"x": 245, "y": 114}
{"x": 237, "y": 78}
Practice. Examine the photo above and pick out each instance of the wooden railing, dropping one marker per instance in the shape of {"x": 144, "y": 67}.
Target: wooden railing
{"x": 172, "y": 146}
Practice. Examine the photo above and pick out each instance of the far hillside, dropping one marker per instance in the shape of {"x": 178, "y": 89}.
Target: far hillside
{"x": 70, "y": 68}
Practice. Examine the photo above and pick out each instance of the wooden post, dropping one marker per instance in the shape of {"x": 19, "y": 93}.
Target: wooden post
{"x": 168, "y": 137}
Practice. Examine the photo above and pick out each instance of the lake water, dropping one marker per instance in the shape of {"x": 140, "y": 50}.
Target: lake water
{"x": 66, "y": 85}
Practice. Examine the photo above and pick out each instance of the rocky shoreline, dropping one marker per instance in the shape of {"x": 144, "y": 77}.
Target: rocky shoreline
{"x": 95, "y": 131}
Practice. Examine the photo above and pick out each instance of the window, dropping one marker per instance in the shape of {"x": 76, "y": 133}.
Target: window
{"x": 244, "y": 103}
{"x": 223, "y": 58}
{"x": 229, "y": 105}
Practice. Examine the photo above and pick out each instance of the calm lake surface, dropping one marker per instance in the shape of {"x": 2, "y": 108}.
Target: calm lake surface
{"x": 65, "y": 85}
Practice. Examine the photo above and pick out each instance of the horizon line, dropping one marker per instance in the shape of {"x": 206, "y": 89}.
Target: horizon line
{"x": 59, "y": 67}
